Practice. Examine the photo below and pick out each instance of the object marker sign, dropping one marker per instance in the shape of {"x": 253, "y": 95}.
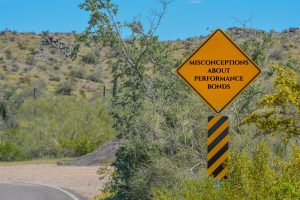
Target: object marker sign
{"x": 218, "y": 71}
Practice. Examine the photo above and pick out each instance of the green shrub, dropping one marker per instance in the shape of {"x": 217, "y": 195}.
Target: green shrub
{"x": 8, "y": 149}
{"x": 58, "y": 126}
{"x": 54, "y": 78}
{"x": 53, "y": 60}
{"x": 45, "y": 33}
{"x": 78, "y": 73}
{"x": 82, "y": 93}
{"x": 22, "y": 46}
{"x": 65, "y": 88}
{"x": 42, "y": 67}
{"x": 8, "y": 53}
{"x": 33, "y": 51}
{"x": 89, "y": 58}
{"x": 30, "y": 60}
{"x": 56, "y": 67}
{"x": 12, "y": 39}
{"x": 94, "y": 77}
{"x": 85, "y": 145}
{"x": 259, "y": 177}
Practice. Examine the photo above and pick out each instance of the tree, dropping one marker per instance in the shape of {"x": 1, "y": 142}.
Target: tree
{"x": 108, "y": 35}
{"x": 279, "y": 112}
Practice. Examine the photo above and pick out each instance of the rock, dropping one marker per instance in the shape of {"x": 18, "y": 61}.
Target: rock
{"x": 40, "y": 55}
{"x": 51, "y": 40}
{"x": 15, "y": 68}
{"x": 291, "y": 30}
{"x": 42, "y": 49}
{"x": 59, "y": 162}
{"x": 95, "y": 158}
{"x": 1, "y": 58}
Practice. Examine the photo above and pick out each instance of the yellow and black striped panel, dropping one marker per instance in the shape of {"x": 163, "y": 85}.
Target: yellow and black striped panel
{"x": 217, "y": 145}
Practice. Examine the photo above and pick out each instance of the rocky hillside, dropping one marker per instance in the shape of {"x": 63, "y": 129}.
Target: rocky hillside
{"x": 42, "y": 60}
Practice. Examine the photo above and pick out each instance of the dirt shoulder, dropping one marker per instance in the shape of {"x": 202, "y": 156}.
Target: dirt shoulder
{"x": 80, "y": 179}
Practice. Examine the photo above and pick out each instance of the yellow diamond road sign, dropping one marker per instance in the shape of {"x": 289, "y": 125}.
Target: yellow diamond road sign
{"x": 218, "y": 71}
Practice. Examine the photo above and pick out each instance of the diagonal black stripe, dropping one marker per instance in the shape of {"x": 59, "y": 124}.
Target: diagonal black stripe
{"x": 217, "y": 155}
{"x": 218, "y": 170}
{"x": 216, "y": 126}
{"x": 210, "y": 118}
{"x": 217, "y": 140}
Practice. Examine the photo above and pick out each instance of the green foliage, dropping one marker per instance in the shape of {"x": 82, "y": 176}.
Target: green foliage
{"x": 21, "y": 46}
{"x": 53, "y": 60}
{"x": 78, "y": 73}
{"x": 8, "y": 54}
{"x": 65, "y": 88}
{"x": 30, "y": 60}
{"x": 9, "y": 104}
{"x": 61, "y": 126}
{"x": 95, "y": 77}
{"x": 33, "y": 51}
{"x": 115, "y": 86}
{"x": 89, "y": 58}
{"x": 82, "y": 93}
{"x": 8, "y": 149}
{"x": 54, "y": 78}
{"x": 260, "y": 177}
{"x": 56, "y": 67}
{"x": 85, "y": 145}
{"x": 280, "y": 111}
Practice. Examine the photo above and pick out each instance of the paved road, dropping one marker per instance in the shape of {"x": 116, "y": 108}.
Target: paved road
{"x": 30, "y": 191}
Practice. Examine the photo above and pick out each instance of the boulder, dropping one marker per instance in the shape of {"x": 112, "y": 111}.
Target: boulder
{"x": 51, "y": 40}
{"x": 291, "y": 30}
{"x": 42, "y": 49}
{"x": 59, "y": 162}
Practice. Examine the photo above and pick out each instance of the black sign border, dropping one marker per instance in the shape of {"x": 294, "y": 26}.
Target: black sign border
{"x": 222, "y": 109}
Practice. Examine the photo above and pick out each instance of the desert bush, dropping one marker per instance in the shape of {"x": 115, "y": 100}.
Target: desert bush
{"x": 30, "y": 60}
{"x": 53, "y": 60}
{"x": 78, "y": 73}
{"x": 279, "y": 116}
{"x": 54, "y": 78}
{"x": 94, "y": 77}
{"x": 22, "y": 46}
{"x": 53, "y": 51}
{"x": 65, "y": 88}
{"x": 4, "y": 68}
{"x": 44, "y": 68}
{"x": 82, "y": 93}
{"x": 261, "y": 176}
{"x": 98, "y": 53}
{"x": 9, "y": 151}
{"x": 50, "y": 126}
{"x": 45, "y": 33}
{"x": 56, "y": 67}
{"x": 276, "y": 54}
{"x": 85, "y": 145}
{"x": 8, "y": 53}
{"x": 89, "y": 58}
{"x": 33, "y": 51}
{"x": 12, "y": 39}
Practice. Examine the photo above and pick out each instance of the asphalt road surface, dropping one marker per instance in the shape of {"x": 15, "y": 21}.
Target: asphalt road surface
{"x": 30, "y": 191}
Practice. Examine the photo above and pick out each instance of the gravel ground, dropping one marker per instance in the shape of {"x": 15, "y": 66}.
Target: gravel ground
{"x": 78, "y": 174}
{"x": 80, "y": 179}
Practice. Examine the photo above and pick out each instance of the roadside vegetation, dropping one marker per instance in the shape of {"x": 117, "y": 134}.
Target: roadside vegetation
{"x": 162, "y": 122}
